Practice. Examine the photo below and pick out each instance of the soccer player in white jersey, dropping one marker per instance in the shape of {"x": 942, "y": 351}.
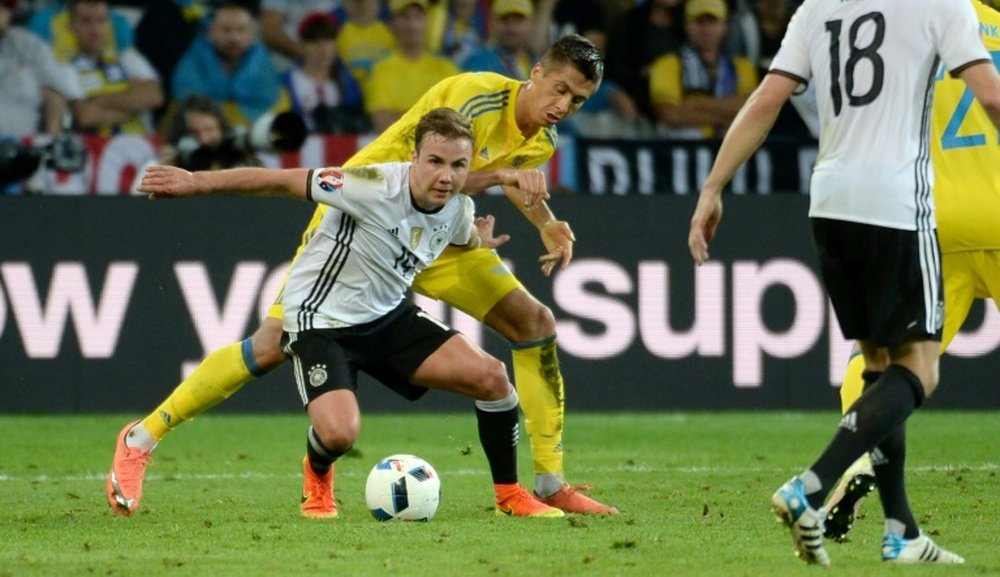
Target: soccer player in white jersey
{"x": 345, "y": 297}
{"x": 873, "y": 63}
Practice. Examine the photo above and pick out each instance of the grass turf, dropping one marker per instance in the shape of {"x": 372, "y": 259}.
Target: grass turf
{"x": 221, "y": 499}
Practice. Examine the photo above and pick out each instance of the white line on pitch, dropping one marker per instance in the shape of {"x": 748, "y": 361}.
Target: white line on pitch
{"x": 360, "y": 473}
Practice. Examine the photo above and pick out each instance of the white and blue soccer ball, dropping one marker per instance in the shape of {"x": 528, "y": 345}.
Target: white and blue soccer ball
{"x": 403, "y": 487}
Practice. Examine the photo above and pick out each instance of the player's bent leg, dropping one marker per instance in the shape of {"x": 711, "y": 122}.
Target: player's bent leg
{"x": 459, "y": 366}
{"x": 336, "y": 424}
{"x": 217, "y": 377}
{"x": 530, "y": 328}
{"x": 859, "y": 480}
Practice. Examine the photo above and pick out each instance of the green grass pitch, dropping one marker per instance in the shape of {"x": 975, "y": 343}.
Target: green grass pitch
{"x": 222, "y": 499}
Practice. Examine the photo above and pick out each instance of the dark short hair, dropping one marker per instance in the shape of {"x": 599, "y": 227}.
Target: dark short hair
{"x": 444, "y": 122}
{"x": 578, "y": 52}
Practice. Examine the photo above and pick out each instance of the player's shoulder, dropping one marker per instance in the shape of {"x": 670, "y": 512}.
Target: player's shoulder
{"x": 472, "y": 92}
{"x": 379, "y": 177}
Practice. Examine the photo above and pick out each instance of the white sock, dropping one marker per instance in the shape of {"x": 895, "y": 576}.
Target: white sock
{"x": 139, "y": 438}
{"x": 548, "y": 484}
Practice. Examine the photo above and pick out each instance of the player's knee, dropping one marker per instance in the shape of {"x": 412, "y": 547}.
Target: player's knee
{"x": 267, "y": 345}
{"x": 492, "y": 384}
{"x": 534, "y": 322}
{"x": 336, "y": 436}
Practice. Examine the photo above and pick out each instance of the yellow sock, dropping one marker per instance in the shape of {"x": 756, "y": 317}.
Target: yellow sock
{"x": 540, "y": 387}
{"x": 853, "y": 385}
{"x": 220, "y": 374}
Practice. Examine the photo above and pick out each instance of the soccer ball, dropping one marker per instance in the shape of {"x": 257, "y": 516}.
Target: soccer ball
{"x": 403, "y": 487}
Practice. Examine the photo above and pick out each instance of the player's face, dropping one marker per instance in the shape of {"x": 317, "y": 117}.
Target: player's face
{"x": 440, "y": 167}
{"x": 555, "y": 94}
{"x": 89, "y": 24}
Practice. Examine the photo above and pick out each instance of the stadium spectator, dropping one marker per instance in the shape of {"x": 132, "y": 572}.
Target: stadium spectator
{"x": 165, "y": 32}
{"x": 509, "y": 52}
{"x": 399, "y": 80}
{"x": 363, "y": 38}
{"x": 281, "y": 22}
{"x": 121, "y": 85}
{"x": 610, "y": 112}
{"x": 361, "y": 325}
{"x": 52, "y": 24}
{"x": 639, "y": 36}
{"x": 201, "y": 138}
{"x": 35, "y": 89}
{"x": 321, "y": 89}
{"x": 557, "y": 18}
{"x": 456, "y": 28}
{"x": 697, "y": 91}
{"x": 232, "y": 67}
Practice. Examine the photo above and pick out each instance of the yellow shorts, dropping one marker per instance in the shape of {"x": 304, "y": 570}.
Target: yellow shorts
{"x": 472, "y": 281}
{"x": 967, "y": 276}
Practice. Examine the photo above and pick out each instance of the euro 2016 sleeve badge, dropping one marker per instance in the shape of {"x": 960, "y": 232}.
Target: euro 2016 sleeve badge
{"x": 330, "y": 180}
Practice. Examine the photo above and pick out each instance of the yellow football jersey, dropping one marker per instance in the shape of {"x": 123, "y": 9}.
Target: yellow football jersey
{"x": 487, "y": 100}
{"x": 966, "y": 155}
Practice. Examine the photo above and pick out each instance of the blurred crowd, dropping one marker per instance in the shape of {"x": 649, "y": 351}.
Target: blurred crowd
{"x": 201, "y": 75}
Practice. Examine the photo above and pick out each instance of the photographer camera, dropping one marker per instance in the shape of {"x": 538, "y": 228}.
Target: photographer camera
{"x": 63, "y": 152}
{"x": 37, "y": 94}
{"x": 202, "y": 139}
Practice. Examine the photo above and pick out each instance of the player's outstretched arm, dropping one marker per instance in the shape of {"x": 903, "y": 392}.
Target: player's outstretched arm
{"x": 174, "y": 182}
{"x": 745, "y": 135}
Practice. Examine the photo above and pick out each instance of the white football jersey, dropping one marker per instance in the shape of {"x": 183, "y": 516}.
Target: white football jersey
{"x": 363, "y": 256}
{"x": 873, "y": 64}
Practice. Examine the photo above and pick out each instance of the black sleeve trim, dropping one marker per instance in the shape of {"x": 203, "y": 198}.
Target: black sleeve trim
{"x": 309, "y": 181}
{"x": 956, "y": 72}
{"x": 794, "y": 77}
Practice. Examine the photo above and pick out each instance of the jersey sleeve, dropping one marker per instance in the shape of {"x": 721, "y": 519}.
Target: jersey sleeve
{"x": 955, "y": 33}
{"x": 792, "y": 59}
{"x": 351, "y": 190}
{"x": 464, "y": 221}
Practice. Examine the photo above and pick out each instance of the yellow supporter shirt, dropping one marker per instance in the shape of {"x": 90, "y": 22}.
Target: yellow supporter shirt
{"x": 360, "y": 46}
{"x": 966, "y": 155}
{"x": 397, "y": 82}
{"x": 485, "y": 98}
{"x": 667, "y": 82}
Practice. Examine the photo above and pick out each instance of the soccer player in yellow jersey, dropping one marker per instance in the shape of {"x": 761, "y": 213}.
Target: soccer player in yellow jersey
{"x": 513, "y": 123}
{"x": 965, "y": 152}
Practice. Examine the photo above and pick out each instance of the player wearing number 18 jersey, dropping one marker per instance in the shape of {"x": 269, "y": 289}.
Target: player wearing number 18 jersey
{"x": 873, "y": 63}
{"x": 965, "y": 152}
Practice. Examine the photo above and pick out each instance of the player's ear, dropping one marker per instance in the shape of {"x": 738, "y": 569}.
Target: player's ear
{"x": 414, "y": 155}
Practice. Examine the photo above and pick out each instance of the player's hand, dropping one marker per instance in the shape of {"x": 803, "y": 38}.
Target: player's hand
{"x": 558, "y": 238}
{"x": 706, "y": 219}
{"x": 485, "y": 226}
{"x": 531, "y": 183}
{"x": 167, "y": 182}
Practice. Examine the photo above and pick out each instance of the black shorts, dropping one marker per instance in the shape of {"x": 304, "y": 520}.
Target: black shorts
{"x": 390, "y": 349}
{"x": 884, "y": 283}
